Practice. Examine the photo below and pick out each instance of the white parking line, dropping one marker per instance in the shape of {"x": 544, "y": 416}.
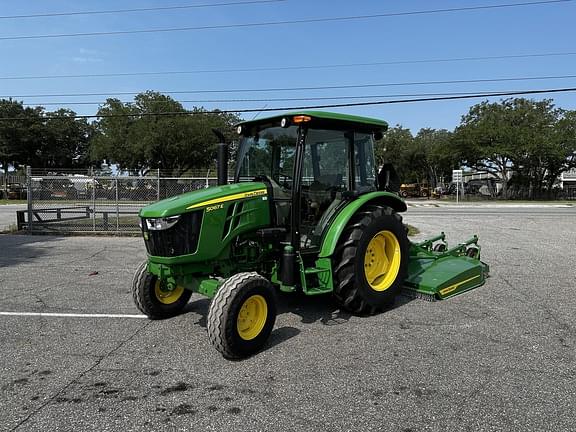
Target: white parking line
{"x": 70, "y": 315}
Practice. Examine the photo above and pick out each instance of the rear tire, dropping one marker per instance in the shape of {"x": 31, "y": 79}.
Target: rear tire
{"x": 154, "y": 302}
{"x": 371, "y": 260}
{"x": 242, "y": 315}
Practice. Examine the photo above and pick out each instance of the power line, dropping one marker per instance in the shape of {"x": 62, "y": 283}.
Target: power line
{"x": 150, "y": 9}
{"x": 308, "y": 107}
{"x": 330, "y": 87}
{"x": 287, "y": 68}
{"x": 293, "y": 99}
{"x": 287, "y": 22}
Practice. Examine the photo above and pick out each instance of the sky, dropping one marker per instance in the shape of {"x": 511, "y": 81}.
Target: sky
{"x": 395, "y": 49}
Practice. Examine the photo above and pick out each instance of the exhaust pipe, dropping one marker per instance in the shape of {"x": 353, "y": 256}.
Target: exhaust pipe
{"x": 222, "y": 158}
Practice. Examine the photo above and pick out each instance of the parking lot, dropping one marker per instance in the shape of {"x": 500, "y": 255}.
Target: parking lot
{"x": 501, "y": 357}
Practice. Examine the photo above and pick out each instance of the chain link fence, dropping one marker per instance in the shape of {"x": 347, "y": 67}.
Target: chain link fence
{"x": 12, "y": 187}
{"x": 95, "y": 203}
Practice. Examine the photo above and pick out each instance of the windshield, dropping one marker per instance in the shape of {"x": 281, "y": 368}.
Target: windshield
{"x": 268, "y": 153}
{"x": 271, "y": 152}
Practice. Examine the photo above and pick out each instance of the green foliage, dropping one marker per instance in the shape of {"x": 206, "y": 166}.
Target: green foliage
{"x": 426, "y": 158}
{"x": 437, "y": 149}
{"x": 560, "y": 155}
{"x": 393, "y": 148}
{"x": 65, "y": 141}
{"x": 142, "y": 141}
{"x": 19, "y": 138}
{"x": 412, "y": 230}
{"x": 531, "y": 139}
{"x": 31, "y": 136}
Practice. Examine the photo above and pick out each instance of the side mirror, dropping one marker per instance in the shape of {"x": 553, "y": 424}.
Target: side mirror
{"x": 388, "y": 179}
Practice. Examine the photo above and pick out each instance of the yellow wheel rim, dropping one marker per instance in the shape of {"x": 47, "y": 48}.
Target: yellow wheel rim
{"x": 382, "y": 261}
{"x": 252, "y": 317}
{"x": 165, "y": 296}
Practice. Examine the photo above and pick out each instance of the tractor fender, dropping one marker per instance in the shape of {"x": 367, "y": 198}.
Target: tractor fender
{"x": 338, "y": 224}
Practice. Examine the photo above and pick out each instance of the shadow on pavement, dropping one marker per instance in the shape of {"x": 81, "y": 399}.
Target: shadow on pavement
{"x": 310, "y": 309}
{"x": 19, "y": 249}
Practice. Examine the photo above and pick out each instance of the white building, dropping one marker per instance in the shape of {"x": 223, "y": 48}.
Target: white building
{"x": 568, "y": 182}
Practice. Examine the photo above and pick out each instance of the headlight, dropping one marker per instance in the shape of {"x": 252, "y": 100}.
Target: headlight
{"x": 158, "y": 224}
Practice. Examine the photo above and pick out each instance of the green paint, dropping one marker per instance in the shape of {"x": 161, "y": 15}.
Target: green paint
{"x": 313, "y": 279}
{"x": 208, "y": 287}
{"x": 186, "y": 276}
{"x": 339, "y": 223}
{"x": 444, "y": 274}
{"x": 214, "y": 243}
{"x": 357, "y": 122}
{"x": 321, "y": 275}
{"x": 180, "y": 203}
{"x": 276, "y": 281}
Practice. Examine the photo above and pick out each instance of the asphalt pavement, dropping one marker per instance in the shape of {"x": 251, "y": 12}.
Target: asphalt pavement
{"x": 501, "y": 357}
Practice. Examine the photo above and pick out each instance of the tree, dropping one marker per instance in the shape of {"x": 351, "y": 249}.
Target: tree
{"x": 517, "y": 136}
{"x": 65, "y": 140}
{"x": 560, "y": 156}
{"x": 425, "y": 158}
{"x": 393, "y": 149}
{"x": 20, "y": 133}
{"x": 32, "y": 137}
{"x": 155, "y": 131}
{"x": 433, "y": 155}
{"x": 482, "y": 141}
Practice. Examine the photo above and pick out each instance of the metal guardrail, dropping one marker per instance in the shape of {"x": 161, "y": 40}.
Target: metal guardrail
{"x": 59, "y": 214}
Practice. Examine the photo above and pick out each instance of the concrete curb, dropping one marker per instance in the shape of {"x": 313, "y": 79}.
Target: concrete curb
{"x": 485, "y": 205}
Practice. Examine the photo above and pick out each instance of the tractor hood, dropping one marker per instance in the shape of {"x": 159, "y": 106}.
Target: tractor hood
{"x": 203, "y": 198}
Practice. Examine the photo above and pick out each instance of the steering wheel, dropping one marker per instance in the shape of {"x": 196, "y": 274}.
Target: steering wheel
{"x": 285, "y": 180}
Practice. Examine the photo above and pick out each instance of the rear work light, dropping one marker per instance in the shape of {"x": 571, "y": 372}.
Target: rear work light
{"x": 301, "y": 119}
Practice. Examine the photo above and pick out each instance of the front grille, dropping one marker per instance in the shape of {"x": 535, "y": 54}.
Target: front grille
{"x": 181, "y": 239}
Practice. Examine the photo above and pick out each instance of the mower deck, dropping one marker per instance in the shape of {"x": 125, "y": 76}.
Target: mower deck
{"x": 436, "y": 272}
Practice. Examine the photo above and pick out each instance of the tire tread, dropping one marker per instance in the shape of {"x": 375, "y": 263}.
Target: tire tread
{"x": 220, "y": 333}
{"x": 346, "y": 290}
{"x": 143, "y": 296}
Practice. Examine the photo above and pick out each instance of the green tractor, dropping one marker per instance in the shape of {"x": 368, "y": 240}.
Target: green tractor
{"x": 308, "y": 211}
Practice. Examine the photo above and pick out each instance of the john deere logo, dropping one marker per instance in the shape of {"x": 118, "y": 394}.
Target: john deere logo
{"x": 255, "y": 193}
{"x": 215, "y": 203}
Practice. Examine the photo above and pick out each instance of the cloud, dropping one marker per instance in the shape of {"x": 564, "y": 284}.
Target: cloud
{"x": 87, "y": 51}
{"x": 86, "y": 55}
{"x": 86, "y": 60}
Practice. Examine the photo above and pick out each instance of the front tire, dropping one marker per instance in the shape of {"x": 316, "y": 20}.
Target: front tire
{"x": 371, "y": 260}
{"x": 242, "y": 315}
{"x": 154, "y": 301}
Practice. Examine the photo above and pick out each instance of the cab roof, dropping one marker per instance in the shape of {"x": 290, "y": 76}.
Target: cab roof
{"x": 324, "y": 119}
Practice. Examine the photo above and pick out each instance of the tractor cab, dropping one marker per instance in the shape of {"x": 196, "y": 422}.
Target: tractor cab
{"x": 312, "y": 163}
